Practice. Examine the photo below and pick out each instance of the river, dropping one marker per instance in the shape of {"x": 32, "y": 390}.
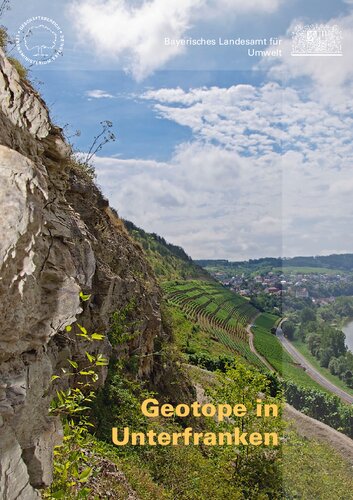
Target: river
{"x": 348, "y": 330}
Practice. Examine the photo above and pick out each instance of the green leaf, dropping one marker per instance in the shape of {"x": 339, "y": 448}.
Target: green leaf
{"x": 73, "y": 363}
{"x": 84, "y": 297}
{"x": 54, "y": 377}
{"x": 102, "y": 363}
{"x": 83, "y": 493}
{"x": 58, "y": 494}
{"x": 82, "y": 328}
{"x": 85, "y": 474}
{"x": 85, "y": 336}
{"x": 97, "y": 336}
{"x": 89, "y": 357}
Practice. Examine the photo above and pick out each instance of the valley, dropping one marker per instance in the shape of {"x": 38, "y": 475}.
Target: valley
{"x": 100, "y": 316}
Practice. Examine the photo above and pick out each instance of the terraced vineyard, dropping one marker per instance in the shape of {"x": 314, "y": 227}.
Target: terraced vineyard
{"x": 219, "y": 312}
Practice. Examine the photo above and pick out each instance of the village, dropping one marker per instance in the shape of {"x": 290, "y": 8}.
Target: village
{"x": 321, "y": 288}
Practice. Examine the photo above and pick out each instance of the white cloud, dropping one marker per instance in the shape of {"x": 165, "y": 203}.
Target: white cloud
{"x": 269, "y": 169}
{"x": 256, "y": 121}
{"x": 268, "y": 173}
{"x": 267, "y": 6}
{"x": 201, "y": 199}
{"x": 134, "y": 34}
{"x": 98, "y": 94}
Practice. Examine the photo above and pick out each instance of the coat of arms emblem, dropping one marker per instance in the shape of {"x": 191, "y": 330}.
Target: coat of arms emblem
{"x": 317, "y": 40}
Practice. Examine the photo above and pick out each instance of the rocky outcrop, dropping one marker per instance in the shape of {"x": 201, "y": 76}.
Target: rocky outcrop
{"x": 59, "y": 236}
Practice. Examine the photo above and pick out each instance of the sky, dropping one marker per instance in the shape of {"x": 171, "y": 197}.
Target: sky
{"x": 227, "y": 154}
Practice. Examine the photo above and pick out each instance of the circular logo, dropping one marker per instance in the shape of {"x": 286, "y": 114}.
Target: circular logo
{"x": 40, "y": 40}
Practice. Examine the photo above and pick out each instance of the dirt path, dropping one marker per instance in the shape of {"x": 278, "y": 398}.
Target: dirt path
{"x": 304, "y": 426}
{"x": 313, "y": 429}
{"x": 253, "y": 349}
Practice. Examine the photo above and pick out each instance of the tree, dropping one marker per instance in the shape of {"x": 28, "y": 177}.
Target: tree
{"x": 307, "y": 315}
{"x": 325, "y": 356}
{"x": 338, "y": 342}
{"x": 288, "y": 328}
{"x": 333, "y": 366}
{"x": 256, "y": 468}
{"x": 40, "y": 37}
{"x": 314, "y": 342}
{"x": 348, "y": 378}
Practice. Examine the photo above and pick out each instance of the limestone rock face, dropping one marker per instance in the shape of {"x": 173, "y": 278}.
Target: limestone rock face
{"x": 58, "y": 236}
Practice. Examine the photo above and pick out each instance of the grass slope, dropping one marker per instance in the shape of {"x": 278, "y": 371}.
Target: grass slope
{"x": 191, "y": 338}
{"x": 168, "y": 261}
{"x": 310, "y": 469}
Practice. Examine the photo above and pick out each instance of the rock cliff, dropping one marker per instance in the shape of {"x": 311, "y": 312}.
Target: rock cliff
{"x": 58, "y": 236}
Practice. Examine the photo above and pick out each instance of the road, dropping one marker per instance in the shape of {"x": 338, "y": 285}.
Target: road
{"x": 306, "y": 426}
{"x": 310, "y": 370}
{"x": 302, "y": 361}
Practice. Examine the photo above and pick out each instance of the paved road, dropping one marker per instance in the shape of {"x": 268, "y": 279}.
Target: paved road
{"x": 304, "y": 425}
{"x": 310, "y": 370}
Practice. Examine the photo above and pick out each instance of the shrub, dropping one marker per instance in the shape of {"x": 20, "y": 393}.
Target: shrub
{"x": 323, "y": 407}
{"x": 82, "y": 168}
{"x": 118, "y": 404}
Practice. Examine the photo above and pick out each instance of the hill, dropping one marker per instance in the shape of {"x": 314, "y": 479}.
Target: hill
{"x": 339, "y": 262}
{"x": 343, "y": 262}
{"x": 168, "y": 261}
{"x": 83, "y": 273}
{"x": 221, "y": 317}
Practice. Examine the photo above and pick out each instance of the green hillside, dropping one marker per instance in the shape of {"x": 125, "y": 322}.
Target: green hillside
{"x": 168, "y": 261}
{"x": 316, "y": 264}
{"x": 267, "y": 344}
{"x": 221, "y": 314}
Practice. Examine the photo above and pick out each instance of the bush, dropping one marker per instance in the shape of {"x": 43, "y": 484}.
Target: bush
{"x": 209, "y": 363}
{"x": 82, "y": 168}
{"x": 118, "y": 405}
{"x": 321, "y": 406}
{"x": 124, "y": 326}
